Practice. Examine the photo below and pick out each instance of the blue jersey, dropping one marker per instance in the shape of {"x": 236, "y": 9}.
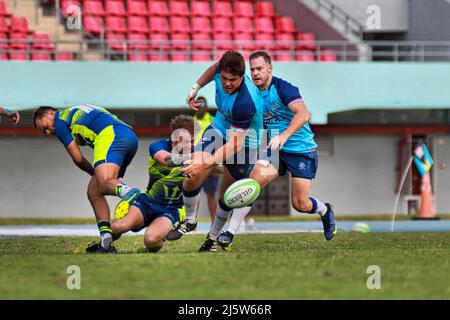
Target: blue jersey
{"x": 277, "y": 116}
{"x": 165, "y": 184}
{"x": 241, "y": 111}
{"x": 83, "y": 123}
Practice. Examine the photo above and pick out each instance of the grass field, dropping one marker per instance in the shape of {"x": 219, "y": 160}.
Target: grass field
{"x": 261, "y": 266}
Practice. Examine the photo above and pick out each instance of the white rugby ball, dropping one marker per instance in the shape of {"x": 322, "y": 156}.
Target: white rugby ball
{"x": 241, "y": 193}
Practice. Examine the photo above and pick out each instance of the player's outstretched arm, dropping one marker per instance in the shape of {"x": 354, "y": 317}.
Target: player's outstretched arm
{"x": 204, "y": 79}
{"x": 302, "y": 116}
{"x": 13, "y": 115}
{"x": 78, "y": 158}
{"x": 233, "y": 146}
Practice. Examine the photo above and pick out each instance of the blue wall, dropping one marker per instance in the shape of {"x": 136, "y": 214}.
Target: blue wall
{"x": 326, "y": 87}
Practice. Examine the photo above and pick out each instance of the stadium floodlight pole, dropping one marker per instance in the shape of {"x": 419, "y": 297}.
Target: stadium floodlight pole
{"x": 397, "y": 197}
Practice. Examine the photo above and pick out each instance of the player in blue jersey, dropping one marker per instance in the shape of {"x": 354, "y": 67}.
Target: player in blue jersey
{"x": 161, "y": 206}
{"x": 114, "y": 144}
{"x": 291, "y": 146}
{"x": 232, "y": 139}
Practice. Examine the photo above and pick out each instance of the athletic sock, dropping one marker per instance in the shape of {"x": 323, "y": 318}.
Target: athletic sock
{"x": 191, "y": 199}
{"x": 318, "y": 207}
{"x": 237, "y": 218}
{"x": 122, "y": 190}
{"x": 222, "y": 214}
{"x": 104, "y": 227}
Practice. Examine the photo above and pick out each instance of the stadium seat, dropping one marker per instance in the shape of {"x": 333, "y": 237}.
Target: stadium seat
{"x": 308, "y": 39}
{"x": 244, "y": 41}
{"x": 42, "y": 42}
{"x": 116, "y": 41}
{"x": 138, "y": 41}
{"x": 201, "y": 41}
{"x": 137, "y": 57}
{"x": 3, "y": 56}
{"x": 179, "y": 24}
{"x": 159, "y": 41}
{"x": 224, "y": 41}
{"x": 19, "y": 24}
{"x": 3, "y": 11}
{"x": 158, "y": 25}
{"x": 93, "y": 25}
{"x": 222, "y": 9}
{"x": 222, "y": 25}
{"x": 67, "y": 7}
{"x": 200, "y": 56}
{"x": 179, "y": 8}
{"x": 264, "y": 25}
{"x": 201, "y": 24}
{"x": 116, "y": 25}
{"x": 284, "y": 41}
{"x": 182, "y": 41}
{"x": 136, "y": 8}
{"x": 283, "y": 56}
{"x": 265, "y": 9}
{"x": 158, "y": 57}
{"x": 157, "y": 8}
{"x": 263, "y": 41}
{"x": 41, "y": 56}
{"x": 304, "y": 56}
{"x": 18, "y": 40}
{"x": 3, "y": 41}
{"x": 3, "y": 26}
{"x": 64, "y": 56}
{"x": 93, "y": 8}
{"x": 244, "y": 25}
{"x": 18, "y": 55}
{"x": 243, "y": 9}
{"x": 115, "y": 8}
{"x": 179, "y": 56}
{"x": 285, "y": 24}
{"x": 137, "y": 24}
{"x": 200, "y": 9}
{"x": 328, "y": 56}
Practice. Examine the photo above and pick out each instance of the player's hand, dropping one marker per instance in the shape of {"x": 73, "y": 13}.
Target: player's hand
{"x": 15, "y": 116}
{"x": 191, "y": 96}
{"x": 277, "y": 142}
{"x": 197, "y": 167}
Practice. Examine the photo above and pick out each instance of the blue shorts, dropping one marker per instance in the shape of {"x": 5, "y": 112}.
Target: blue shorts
{"x": 115, "y": 144}
{"x": 151, "y": 210}
{"x": 300, "y": 165}
{"x": 211, "y": 184}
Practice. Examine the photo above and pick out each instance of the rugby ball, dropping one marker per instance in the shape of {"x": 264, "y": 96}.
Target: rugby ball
{"x": 241, "y": 193}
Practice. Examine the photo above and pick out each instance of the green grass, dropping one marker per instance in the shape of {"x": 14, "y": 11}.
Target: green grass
{"x": 261, "y": 266}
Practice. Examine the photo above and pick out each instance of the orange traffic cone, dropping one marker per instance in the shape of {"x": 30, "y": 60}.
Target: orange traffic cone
{"x": 426, "y": 199}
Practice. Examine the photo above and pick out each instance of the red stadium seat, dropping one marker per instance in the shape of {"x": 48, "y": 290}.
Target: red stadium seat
{"x": 158, "y": 25}
{"x": 41, "y": 56}
{"x": 137, "y": 41}
{"x": 328, "y": 56}
{"x": 179, "y": 24}
{"x": 3, "y": 56}
{"x": 93, "y": 8}
{"x": 222, "y": 9}
{"x": 264, "y": 25}
{"x": 243, "y": 9}
{"x": 159, "y": 41}
{"x": 158, "y": 57}
{"x": 138, "y": 57}
{"x": 116, "y": 25}
{"x": 4, "y": 45}
{"x": 304, "y": 56}
{"x": 284, "y": 41}
{"x": 115, "y": 8}
{"x": 263, "y": 41}
{"x": 179, "y": 56}
{"x": 18, "y": 40}
{"x": 136, "y": 8}
{"x": 42, "y": 42}
{"x": 179, "y": 8}
{"x": 200, "y": 56}
{"x": 265, "y": 9}
{"x": 157, "y": 8}
{"x": 244, "y": 25}
{"x": 244, "y": 41}
{"x": 224, "y": 41}
{"x": 200, "y": 9}
{"x": 201, "y": 41}
{"x": 116, "y": 41}
{"x": 64, "y": 56}
{"x": 93, "y": 25}
{"x": 137, "y": 24}
{"x": 19, "y": 55}
{"x": 308, "y": 39}
{"x": 283, "y": 56}
{"x": 182, "y": 41}
{"x": 285, "y": 24}
{"x": 3, "y": 26}
{"x": 19, "y": 24}
{"x": 68, "y": 7}
{"x": 222, "y": 25}
{"x": 3, "y": 11}
{"x": 201, "y": 24}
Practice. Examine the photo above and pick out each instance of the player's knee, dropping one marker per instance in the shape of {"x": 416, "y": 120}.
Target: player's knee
{"x": 301, "y": 204}
{"x": 152, "y": 240}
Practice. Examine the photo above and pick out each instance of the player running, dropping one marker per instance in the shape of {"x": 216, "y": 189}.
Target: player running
{"x": 286, "y": 118}
{"x": 11, "y": 114}
{"x": 161, "y": 207}
{"x": 114, "y": 144}
{"x": 232, "y": 139}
